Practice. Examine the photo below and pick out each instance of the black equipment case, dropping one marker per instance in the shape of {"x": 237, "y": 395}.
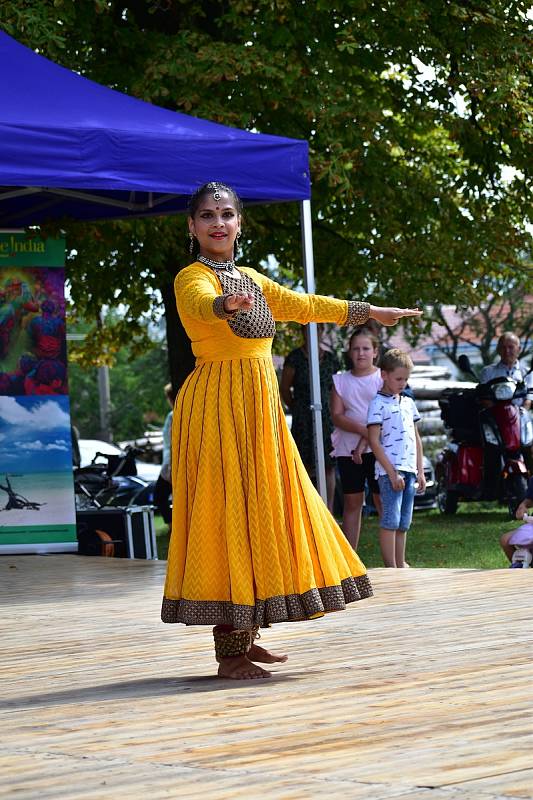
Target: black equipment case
{"x": 131, "y": 529}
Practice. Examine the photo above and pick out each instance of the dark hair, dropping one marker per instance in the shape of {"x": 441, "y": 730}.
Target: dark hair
{"x": 195, "y": 200}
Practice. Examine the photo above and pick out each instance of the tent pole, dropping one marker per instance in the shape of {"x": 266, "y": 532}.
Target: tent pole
{"x": 312, "y": 344}
{"x": 104, "y": 393}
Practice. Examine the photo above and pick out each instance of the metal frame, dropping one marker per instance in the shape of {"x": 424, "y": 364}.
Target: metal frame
{"x": 150, "y": 544}
{"x": 91, "y": 197}
{"x": 314, "y": 361}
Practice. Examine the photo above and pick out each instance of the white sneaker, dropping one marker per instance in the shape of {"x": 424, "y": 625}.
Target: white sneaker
{"x": 521, "y": 558}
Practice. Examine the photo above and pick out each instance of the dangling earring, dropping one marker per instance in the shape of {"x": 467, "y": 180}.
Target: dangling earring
{"x": 191, "y": 243}
{"x": 236, "y": 245}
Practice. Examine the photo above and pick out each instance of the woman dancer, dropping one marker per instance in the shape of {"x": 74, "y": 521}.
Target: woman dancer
{"x": 252, "y": 543}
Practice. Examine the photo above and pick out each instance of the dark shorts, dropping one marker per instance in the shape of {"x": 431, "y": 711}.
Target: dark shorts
{"x": 354, "y": 476}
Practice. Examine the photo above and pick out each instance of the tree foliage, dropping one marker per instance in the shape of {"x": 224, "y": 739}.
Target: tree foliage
{"x": 507, "y": 308}
{"x": 137, "y": 395}
{"x": 418, "y": 114}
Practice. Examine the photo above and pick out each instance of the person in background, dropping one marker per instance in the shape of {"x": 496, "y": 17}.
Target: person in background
{"x": 522, "y": 536}
{"x": 397, "y": 446}
{"x": 508, "y": 348}
{"x": 163, "y": 487}
{"x": 350, "y": 397}
{"x": 295, "y": 388}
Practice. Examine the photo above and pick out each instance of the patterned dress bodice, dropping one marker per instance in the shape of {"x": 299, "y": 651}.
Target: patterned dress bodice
{"x": 258, "y": 323}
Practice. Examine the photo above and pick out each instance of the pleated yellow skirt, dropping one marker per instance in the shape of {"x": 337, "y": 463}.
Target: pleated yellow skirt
{"x": 252, "y": 542}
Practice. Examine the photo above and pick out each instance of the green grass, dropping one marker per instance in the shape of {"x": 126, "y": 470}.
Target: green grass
{"x": 162, "y": 537}
{"x": 468, "y": 539}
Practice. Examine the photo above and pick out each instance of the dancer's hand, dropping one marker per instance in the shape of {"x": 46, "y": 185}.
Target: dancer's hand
{"x": 240, "y": 301}
{"x": 390, "y": 316}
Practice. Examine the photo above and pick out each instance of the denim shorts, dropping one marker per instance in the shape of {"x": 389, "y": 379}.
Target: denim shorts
{"x": 397, "y": 506}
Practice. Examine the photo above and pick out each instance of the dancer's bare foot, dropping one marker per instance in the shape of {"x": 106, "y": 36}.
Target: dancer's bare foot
{"x": 239, "y": 668}
{"x": 405, "y": 565}
{"x": 258, "y": 653}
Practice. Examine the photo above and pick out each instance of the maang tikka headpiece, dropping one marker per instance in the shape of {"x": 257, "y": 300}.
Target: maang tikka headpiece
{"x": 216, "y": 191}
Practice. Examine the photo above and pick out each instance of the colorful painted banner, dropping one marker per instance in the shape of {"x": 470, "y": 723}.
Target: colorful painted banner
{"x": 37, "y": 512}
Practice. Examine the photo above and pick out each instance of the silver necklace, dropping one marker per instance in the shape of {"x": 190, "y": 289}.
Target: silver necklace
{"x": 218, "y": 266}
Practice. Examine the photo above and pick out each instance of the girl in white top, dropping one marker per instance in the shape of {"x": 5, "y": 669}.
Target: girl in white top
{"x": 350, "y": 397}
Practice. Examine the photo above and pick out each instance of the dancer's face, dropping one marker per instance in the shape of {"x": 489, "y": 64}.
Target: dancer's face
{"x": 216, "y": 224}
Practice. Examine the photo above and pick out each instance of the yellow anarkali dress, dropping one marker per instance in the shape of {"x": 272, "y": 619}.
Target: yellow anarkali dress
{"x": 252, "y": 542}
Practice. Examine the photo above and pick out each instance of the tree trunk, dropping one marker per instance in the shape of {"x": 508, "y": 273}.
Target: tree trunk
{"x": 180, "y": 356}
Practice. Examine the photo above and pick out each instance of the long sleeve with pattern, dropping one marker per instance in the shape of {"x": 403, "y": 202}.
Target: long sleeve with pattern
{"x": 216, "y": 335}
{"x": 196, "y": 292}
{"x": 287, "y": 305}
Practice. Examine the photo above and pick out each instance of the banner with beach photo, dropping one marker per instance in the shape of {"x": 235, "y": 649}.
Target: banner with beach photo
{"x": 37, "y": 512}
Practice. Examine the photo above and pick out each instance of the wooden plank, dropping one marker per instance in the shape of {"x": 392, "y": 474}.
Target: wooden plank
{"x": 510, "y": 784}
{"x": 37, "y": 775}
{"x": 426, "y": 685}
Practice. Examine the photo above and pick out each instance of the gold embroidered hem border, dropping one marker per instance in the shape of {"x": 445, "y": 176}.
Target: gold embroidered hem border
{"x": 283, "y": 608}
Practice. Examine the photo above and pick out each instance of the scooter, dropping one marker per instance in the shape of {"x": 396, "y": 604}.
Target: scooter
{"x": 483, "y": 460}
{"x": 114, "y": 483}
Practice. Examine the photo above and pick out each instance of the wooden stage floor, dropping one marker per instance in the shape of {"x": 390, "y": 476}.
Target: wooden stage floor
{"x": 422, "y": 693}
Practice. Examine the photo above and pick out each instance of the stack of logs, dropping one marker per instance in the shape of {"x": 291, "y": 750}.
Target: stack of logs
{"x": 427, "y": 391}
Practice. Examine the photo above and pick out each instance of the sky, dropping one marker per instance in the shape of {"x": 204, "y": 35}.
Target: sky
{"x": 34, "y": 434}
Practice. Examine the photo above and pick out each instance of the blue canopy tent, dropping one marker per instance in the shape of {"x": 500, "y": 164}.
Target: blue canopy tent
{"x": 70, "y": 147}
